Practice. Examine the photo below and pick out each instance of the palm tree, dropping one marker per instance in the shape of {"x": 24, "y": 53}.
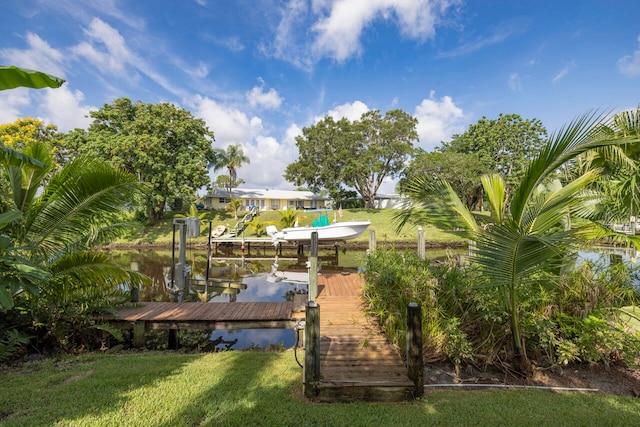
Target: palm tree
{"x": 66, "y": 213}
{"x": 530, "y": 232}
{"x": 232, "y": 158}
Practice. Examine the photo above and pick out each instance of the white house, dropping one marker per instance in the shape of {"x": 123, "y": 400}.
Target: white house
{"x": 266, "y": 199}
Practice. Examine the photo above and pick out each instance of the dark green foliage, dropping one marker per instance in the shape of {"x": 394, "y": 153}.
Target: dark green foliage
{"x": 394, "y": 279}
{"x": 571, "y": 319}
{"x": 361, "y": 154}
{"x": 163, "y": 146}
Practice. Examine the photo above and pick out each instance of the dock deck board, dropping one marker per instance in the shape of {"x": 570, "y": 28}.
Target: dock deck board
{"x": 357, "y": 362}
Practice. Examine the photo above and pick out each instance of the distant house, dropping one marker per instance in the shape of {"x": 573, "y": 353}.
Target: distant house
{"x": 380, "y": 201}
{"x": 266, "y": 199}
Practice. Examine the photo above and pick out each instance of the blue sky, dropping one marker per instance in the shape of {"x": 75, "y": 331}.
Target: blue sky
{"x": 259, "y": 71}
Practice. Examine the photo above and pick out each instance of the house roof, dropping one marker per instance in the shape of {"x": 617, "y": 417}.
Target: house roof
{"x": 249, "y": 193}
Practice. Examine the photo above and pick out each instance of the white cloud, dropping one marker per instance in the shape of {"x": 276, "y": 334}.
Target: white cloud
{"x": 337, "y": 26}
{"x": 64, "y": 108}
{"x": 264, "y": 172}
{"x": 229, "y": 124}
{"x": 107, "y": 49}
{"x": 503, "y": 31}
{"x": 438, "y": 120}
{"x": 563, "y": 73}
{"x": 351, "y": 111}
{"x": 11, "y": 101}
{"x": 339, "y": 31}
{"x": 232, "y": 126}
{"x": 38, "y": 56}
{"x": 257, "y": 97}
{"x": 515, "y": 83}
{"x": 630, "y": 64}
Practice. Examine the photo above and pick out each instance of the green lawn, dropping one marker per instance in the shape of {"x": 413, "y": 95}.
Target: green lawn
{"x": 381, "y": 222}
{"x": 254, "y": 388}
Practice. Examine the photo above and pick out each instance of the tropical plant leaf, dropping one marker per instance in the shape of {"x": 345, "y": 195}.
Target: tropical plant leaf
{"x": 12, "y": 77}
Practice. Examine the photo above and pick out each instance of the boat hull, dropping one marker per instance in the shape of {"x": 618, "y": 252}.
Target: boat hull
{"x": 332, "y": 232}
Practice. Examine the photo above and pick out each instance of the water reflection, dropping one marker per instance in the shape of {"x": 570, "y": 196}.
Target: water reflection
{"x": 238, "y": 279}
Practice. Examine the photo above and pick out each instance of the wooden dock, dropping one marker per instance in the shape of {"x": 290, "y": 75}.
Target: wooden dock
{"x": 357, "y": 362}
{"x": 197, "y": 315}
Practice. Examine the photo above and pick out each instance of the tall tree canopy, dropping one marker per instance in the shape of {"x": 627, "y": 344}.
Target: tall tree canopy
{"x": 504, "y": 146}
{"x": 359, "y": 154}
{"x": 161, "y": 144}
{"x": 461, "y": 170}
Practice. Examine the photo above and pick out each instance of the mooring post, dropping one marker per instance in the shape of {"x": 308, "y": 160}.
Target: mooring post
{"x": 421, "y": 244}
{"x": 372, "y": 241}
{"x": 311, "y": 372}
{"x": 134, "y": 291}
{"x": 415, "y": 368}
{"x": 313, "y": 267}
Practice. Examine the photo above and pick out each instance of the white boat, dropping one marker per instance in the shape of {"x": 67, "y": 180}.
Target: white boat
{"x": 337, "y": 231}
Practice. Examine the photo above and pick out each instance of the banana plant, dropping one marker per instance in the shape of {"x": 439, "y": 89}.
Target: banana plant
{"x": 12, "y": 77}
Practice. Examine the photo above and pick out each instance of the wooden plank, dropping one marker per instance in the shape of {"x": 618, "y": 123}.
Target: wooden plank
{"x": 357, "y": 361}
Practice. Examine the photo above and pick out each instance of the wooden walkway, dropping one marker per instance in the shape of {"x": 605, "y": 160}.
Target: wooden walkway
{"x": 357, "y": 362}
{"x": 197, "y": 315}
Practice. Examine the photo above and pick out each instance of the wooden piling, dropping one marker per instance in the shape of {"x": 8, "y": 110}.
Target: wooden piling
{"x": 313, "y": 267}
{"x": 372, "y": 241}
{"x": 422, "y": 250}
{"x": 415, "y": 368}
{"x": 312, "y": 349}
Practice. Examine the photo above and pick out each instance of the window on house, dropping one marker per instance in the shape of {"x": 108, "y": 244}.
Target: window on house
{"x": 314, "y": 204}
{"x": 224, "y": 200}
{"x": 275, "y": 204}
{"x": 299, "y": 204}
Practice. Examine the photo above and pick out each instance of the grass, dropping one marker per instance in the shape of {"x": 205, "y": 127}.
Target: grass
{"x": 256, "y": 388}
{"x": 381, "y": 222}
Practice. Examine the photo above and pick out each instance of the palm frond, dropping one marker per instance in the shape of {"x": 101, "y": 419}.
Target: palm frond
{"x": 94, "y": 270}
{"x": 435, "y": 202}
{"x": 83, "y": 198}
{"x": 495, "y": 189}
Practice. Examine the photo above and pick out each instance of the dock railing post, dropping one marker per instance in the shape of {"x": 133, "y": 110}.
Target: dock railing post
{"x": 415, "y": 367}
{"x": 313, "y": 267}
{"x": 311, "y": 373}
{"x": 421, "y": 244}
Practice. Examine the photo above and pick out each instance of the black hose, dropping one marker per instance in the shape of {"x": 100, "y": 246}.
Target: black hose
{"x": 295, "y": 348}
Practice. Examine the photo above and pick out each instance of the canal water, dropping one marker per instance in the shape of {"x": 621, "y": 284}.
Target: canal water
{"x": 256, "y": 277}
{"x": 249, "y": 278}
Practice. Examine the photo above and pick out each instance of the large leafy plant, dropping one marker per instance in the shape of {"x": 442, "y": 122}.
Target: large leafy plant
{"x": 530, "y": 232}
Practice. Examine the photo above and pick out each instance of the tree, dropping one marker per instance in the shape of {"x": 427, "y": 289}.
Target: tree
{"x": 226, "y": 182}
{"x": 620, "y": 164}
{"x": 461, "y": 170}
{"x": 358, "y": 154}
{"x": 503, "y": 146}
{"x": 531, "y": 231}
{"x": 161, "y": 144}
{"x": 235, "y": 204}
{"x": 232, "y": 158}
{"x": 58, "y": 217}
